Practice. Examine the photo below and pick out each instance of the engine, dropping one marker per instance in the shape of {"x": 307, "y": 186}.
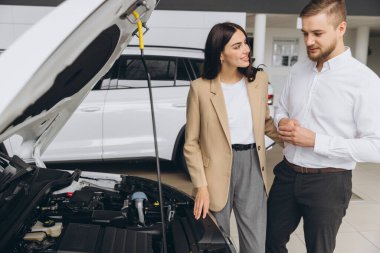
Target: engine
{"x": 54, "y": 211}
{"x": 98, "y": 219}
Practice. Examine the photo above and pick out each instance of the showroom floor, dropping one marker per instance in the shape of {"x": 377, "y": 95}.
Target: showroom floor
{"x": 360, "y": 231}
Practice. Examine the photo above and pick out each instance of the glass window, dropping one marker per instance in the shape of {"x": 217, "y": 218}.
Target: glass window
{"x": 285, "y": 52}
{"x": 131, "y": 72}
{"x": 197, "y": 67}
{"x": 182, "y": 70}
{"x": 105, "y": 81}
{"x": 184, "y": 75}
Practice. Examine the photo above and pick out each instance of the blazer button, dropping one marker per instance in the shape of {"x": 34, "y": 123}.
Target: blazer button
{"x": 262, "y": 168}
{"x": 258, "y": 147}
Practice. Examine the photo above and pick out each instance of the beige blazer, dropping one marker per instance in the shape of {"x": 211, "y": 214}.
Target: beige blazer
{"x": 207, "y": 149}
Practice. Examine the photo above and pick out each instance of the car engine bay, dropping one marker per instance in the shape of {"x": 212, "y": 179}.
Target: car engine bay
{"x": 49, "y": 210}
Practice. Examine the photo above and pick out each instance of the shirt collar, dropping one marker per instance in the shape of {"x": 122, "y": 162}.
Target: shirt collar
{"x": 337, "y": 61}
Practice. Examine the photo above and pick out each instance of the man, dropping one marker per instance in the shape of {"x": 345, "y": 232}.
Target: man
{"x": 329, "y": 117}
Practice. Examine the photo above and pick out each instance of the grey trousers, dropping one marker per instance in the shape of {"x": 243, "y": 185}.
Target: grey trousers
{"x": 247, "y": 198}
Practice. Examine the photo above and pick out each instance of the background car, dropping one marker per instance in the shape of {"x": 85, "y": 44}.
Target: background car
{"x": 114, "y": 120}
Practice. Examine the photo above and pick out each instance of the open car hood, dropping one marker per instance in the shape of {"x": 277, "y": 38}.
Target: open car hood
{"x": 49, "y": 70}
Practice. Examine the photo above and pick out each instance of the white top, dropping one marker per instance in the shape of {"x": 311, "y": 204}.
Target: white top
{"x": 341, "y": 104}
{"x": 239, "y": 112}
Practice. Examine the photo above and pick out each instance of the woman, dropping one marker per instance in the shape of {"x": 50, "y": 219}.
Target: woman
{"x": 227, "y": 117}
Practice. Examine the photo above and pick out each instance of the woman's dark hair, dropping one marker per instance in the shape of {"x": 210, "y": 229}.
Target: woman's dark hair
{"x": 217, "y": 39}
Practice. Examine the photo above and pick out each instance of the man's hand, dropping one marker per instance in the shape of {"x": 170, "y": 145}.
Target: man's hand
{"x": 290, "y": 131}
{"x": 202, "y": 202}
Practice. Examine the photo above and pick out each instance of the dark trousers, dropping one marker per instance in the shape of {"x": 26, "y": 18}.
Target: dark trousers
{"x": 320, "y": 199}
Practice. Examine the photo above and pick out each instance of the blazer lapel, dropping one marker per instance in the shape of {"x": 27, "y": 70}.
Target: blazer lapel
{"x": 256, "y": 106}
{"x": 217, "y": 100}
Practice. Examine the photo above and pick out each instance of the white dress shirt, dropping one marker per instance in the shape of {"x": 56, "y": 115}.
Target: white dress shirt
{"x": 341, "y": 104}
{"x": 238, "y": 112}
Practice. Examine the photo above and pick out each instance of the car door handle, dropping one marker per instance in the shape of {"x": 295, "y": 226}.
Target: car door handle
{"x": 179, "y": 105}
{"x": 90, "y": 109}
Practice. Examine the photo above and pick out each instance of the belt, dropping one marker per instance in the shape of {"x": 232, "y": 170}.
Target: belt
{"x": 304, "y": 170}
{"x": 240, "y": 147}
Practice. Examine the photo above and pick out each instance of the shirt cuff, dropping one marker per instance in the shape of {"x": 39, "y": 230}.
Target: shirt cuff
{"x": 322, "y": 143}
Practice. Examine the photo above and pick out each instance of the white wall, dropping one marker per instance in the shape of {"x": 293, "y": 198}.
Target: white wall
{"x": 350, "y": 40}
{"x": 185, "y": 28}
{"x": 278, "y": 75}
{"x": 373, "y": 61}
{"x": 15, "y": 20}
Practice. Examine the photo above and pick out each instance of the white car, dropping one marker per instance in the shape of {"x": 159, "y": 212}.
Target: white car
{"x": 114, "y": 120}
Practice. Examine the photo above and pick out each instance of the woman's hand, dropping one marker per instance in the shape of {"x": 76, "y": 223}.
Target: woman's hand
{"x": 202, "y": 202}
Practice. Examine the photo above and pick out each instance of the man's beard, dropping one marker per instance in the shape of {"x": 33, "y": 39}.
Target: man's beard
{"x": 324, "y": 54}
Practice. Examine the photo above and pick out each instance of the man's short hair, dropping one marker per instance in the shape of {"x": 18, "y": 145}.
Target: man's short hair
{"x": 333, "y": 8}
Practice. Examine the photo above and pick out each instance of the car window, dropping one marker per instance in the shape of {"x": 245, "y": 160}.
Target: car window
{"x": 196, "y": 67}
{"x": 104, "y": 82}
{"x": 183, "y": 73}
{"x": 131, "y": 72}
